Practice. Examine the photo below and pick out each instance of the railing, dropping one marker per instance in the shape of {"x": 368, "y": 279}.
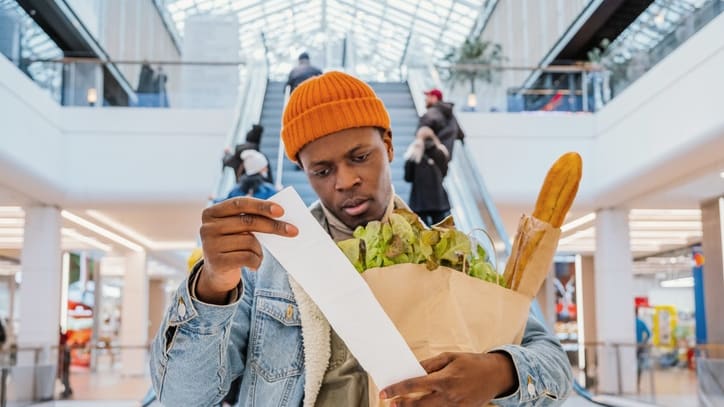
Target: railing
{"x": 247, "y": 112}
{"x": 27, "y": 374}
{"x": 661, "y": 375}
{"x": 85, "y": 82}
{"x": 24, "y": 39}
{"x": 626, "y": 71}
{"x": 710, "y": 375}
{"x": 280, "y": 151}
{"x": 568, "y": 88}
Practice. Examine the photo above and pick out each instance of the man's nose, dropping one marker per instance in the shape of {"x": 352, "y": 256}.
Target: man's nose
{"x": 346, "y": 178}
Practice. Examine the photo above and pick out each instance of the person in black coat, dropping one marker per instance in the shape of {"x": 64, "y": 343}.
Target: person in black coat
{"x": 440, "y": 118}
{"x": 302, "y": 72}
{"x": 426, "y": 163}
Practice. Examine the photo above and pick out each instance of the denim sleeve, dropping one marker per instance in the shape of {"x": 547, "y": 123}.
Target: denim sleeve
{"x": 544, "y": 373}
{"x": 200, "y": 348}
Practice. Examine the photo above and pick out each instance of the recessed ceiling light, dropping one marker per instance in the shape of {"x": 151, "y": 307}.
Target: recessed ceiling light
{"x": 684, "y": 282}
{"x": 721, "y": 174}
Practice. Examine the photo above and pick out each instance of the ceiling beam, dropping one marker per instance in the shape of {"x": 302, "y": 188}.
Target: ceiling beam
{"x": 483, "y": 17}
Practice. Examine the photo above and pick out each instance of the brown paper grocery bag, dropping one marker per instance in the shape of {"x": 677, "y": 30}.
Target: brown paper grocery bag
{"x": 445, "y": 310}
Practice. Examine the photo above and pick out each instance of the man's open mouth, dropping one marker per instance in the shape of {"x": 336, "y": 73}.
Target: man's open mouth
{"x": 356, "y": 207}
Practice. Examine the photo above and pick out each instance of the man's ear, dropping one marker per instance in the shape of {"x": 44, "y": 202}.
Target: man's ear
{"x": 387, "y": 139}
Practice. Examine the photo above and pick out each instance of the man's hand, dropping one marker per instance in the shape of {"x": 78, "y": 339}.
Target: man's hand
{"x": 456, "y": 379}
{"x": 229, "y": 245}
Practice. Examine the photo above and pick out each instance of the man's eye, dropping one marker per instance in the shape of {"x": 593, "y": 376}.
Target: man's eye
{"x": 321, "y": 173}
{"x": 361, "y": 158}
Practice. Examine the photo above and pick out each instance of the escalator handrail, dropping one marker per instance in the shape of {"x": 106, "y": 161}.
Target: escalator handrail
{"x": 246, "y": 112}
{"x": 280, "y": 149}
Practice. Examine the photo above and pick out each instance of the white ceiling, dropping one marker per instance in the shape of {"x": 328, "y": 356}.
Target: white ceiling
{"x": 650, "y": 231}
{"x": 9, "y": 197}
{"x": 687, "y": 194}
{"x": 157, "y": 222}
{"x": 96, "y": 231}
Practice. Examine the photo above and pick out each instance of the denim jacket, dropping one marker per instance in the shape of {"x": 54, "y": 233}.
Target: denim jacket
{"x": 277, "y": 340}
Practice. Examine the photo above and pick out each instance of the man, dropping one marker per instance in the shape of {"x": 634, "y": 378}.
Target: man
{"x": 302, "y": 72}
{"x": 643, "y": 334}
{"x": 64, "y": 365}
{"x": 260, "y": 325}
{"x": 440, "y": 118}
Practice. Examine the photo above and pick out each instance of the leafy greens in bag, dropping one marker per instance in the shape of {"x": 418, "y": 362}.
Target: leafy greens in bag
{"x": 405, "y": 239}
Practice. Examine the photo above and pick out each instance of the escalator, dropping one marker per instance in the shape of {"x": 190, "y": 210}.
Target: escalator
{"x": 399, "y": 103}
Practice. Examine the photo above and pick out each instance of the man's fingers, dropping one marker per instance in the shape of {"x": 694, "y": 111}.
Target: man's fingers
{"x": 238, "y": 242}
{"x": 237, "y": 259}
{"x": 232, "y": 225}
{"x": 438, "y": 362}
{"x": 237, "y": 206}
{"x": 433, "y": 399}
{"x": 421, "y": 385}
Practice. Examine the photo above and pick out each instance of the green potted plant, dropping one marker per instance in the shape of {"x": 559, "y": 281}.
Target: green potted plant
{"x": 475, "y": 60}
{"x": 603, "y": 57}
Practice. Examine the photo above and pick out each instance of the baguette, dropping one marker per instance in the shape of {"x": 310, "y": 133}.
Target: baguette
{"x": 554, "y": 201}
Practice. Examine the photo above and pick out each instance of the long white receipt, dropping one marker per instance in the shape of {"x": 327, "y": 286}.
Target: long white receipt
{"x": 316, "y": 263}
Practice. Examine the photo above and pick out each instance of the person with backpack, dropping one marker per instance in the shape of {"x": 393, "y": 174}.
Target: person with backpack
{"x": 253, "y": 142}
{"x": 234, "y": 161}
{"x": 254, "y": 181}
{"x": 441, "y": 119}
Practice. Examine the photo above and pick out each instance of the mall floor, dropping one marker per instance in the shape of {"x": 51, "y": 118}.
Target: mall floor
{"x": 674, "y": 387}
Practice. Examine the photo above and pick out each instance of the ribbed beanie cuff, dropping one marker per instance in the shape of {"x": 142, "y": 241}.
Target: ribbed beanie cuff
{"x": 327, "y": 104}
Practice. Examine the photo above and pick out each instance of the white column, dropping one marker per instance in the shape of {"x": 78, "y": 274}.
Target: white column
{"x": 547, "y": 300}
{"x": 586, "y": 304}
{"x": 97, "y": 307}
{"x": 615, "y": 320}
{"x": 157, "y": 305}
{"x": 712, "y": 222}
{"x": 134, "y": 315}
{"x": 41, "y": 281}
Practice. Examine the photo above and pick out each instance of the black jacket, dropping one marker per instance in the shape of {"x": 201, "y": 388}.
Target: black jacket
{"x": 440, "y": 118}
{"x": 427, "y": 192}
{"x": 300, "y": 74}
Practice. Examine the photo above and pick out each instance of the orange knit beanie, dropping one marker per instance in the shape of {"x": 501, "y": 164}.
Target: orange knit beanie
{"x": 327, "y": 104}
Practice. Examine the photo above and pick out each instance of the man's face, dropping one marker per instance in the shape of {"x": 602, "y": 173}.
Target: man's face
{"x": 350, "y": 172}
{"x": 430, "y": 100}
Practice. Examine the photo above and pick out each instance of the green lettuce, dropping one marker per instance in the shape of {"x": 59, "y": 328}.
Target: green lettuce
{"x": 405, "y": 239}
